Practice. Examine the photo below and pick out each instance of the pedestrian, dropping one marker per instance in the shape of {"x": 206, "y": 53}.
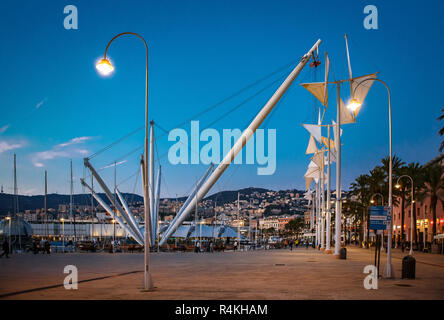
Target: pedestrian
{"x": 291, "y": 245}
{"x": 5, "y": 248}
{"x": 235, "y": 246}
{"x": 47, "y": 247}
{"x": 306, "y": 244}
{"x": 211, "y": 246}
{"x": 197, "y": 246}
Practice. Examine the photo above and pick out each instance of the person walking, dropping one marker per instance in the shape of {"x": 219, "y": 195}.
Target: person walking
{"x": 197, "y": 247}
{"x": 235, "y": 246}
{"x": 47, "y": 247}
{"x": 5, "y": 248}
{"x": 291, "y": 245}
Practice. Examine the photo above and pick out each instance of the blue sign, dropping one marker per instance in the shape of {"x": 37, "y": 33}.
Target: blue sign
{"x": 378, "y": 218}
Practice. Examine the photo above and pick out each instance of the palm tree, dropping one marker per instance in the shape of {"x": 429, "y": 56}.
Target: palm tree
{"x": 434, "y": 188}
{"x": 361, "y": 189}
{"x": 416, "y": 172}
{"x": 441, "y": 132}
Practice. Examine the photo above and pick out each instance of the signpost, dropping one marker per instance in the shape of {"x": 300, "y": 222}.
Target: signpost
{"x": 378, "y": 222}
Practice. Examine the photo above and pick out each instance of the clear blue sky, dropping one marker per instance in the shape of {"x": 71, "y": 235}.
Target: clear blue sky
{"x": 200, "y": 53}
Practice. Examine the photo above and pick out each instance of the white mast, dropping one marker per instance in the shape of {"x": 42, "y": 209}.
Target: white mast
{"x": 238, "y": 220}
{"x": 328, "y": 235}
{"x": 151, "y": 181}
{"x": 248, "y": 133}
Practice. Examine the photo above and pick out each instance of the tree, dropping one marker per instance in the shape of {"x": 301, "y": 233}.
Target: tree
{"x": 361, "y": 189}
{"x": 441, "y": 131}
{"x": 415, "y": 171}
{"x": 295, "y": 226}
{"x": 433, "y": 188}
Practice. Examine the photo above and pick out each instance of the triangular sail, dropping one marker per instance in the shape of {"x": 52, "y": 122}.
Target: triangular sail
{"x": 318, "y": 89}
{"x": 346, "y": 116}
{"x": 361, "y": 86}
{"x": 311, "y": 148}
{"x": 349, "y": 65}
{"x": 326, "y": 143}
{"x": 315, "y": 131}
{"x": 308, "y": 181}
{"x": 327, "y": 69}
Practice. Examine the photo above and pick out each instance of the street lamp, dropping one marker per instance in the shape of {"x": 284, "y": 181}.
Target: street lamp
{"x": 105, "y": 67}
{"x": 411, "y": 210}
{"x": 114, "y": 232}
{"x": 9, "y": 219}
{"x": 63, "y": 234}
{"x": 354, "y": 106}
{"x": 372, "y": 201}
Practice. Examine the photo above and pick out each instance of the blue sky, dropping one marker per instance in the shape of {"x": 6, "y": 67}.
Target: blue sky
{"x": 55, "y": 107}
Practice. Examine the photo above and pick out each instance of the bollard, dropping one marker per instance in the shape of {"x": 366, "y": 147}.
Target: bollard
{"x": 343, "y": 253}
{"x": 408, "y": 267}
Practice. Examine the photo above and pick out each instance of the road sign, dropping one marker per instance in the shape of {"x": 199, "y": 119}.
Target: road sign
{"x": 378, "y": 218}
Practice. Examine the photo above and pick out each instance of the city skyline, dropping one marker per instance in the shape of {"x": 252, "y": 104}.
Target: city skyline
{"x": 208, "y": 53}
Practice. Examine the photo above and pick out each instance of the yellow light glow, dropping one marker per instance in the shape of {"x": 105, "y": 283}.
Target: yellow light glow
{"x": 105, "y": 67}
{"x": 8, "y": 218}
{"x": 353, "y": 105}
{"x": 372, "y": 201}
{"x": 398, "y": 186}
{"x": 62, "y": 219}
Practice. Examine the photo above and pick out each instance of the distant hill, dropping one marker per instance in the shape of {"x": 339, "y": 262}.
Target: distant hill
{"x": 53, "y": 201}
{"x": 230, "y": 196}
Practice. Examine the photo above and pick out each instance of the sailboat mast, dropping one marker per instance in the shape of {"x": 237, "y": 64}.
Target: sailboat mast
{"x": 45, "y": 200}
{"x": 16, "y": 208}
{"x": 71, "y": 214}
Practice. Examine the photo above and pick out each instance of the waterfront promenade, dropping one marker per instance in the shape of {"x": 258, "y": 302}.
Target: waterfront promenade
{"x": 272, "y": 274}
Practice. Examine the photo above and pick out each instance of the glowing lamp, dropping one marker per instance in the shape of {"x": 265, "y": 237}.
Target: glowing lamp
{"x": 397, "y": 186}
{"x": 353, "y": 105}
{"x": 104, "y": 67}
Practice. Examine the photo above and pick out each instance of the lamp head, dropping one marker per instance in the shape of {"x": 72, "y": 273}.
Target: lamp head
{"x": 8, "y": 218}
{"x": 397, "y": 186}
{"x": 62, "y": 219}
{"x": 105, "y": 67}
{"x": 372, "y": 201}
{"x": 353, "y": 105}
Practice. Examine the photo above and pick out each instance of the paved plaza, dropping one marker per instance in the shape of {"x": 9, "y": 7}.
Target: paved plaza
{"x": 271, "y": 274}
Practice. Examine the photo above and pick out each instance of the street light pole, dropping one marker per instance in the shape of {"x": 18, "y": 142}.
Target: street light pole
{"x": 338, "y": 209}
{"x": 411, "y": 211}
{"x": 106, "y": 68}
{"x": 9, "y": 218}
{"x": 388, "y": 270}
{"x": 63, "y": 234}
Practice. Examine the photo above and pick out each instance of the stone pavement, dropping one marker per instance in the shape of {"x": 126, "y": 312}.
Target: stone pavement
{"x": 271, "y": 274}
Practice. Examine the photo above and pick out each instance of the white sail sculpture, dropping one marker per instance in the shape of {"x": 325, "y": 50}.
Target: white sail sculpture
{"x": 246, "y": 135}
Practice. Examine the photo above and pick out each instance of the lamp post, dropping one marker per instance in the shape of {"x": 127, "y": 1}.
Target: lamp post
{"x": 411, "y": 210}
{"x": 372, "y": 201}
{"x": 105, "y": 67}
{"x": 354, "y": 104}
{"x": 114, "y": 234}
{"x": 63, "y": 234}
{"x": 9, "y": 219}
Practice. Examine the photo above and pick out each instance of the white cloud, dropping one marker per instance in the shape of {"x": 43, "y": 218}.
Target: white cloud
{"x": 74, "y": 141}
{"x": 61, "y": 150}
{"x": 6, "y": 146}
{"x": 38, "y": 105}
{"x": 4, "y": 128}
{"x": 113, "y": 164}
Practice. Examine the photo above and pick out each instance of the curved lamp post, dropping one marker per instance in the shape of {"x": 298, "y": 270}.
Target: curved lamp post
{"x": 105, "y": 67}
{"x": 377, "y": 194}
{"x": 411, "y": 210}
{"x": 9, "y": 220}
{"x": 353, "y": 106}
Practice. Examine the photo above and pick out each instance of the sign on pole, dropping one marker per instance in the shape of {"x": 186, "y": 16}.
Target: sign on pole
{"x": 378, "y": 218}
